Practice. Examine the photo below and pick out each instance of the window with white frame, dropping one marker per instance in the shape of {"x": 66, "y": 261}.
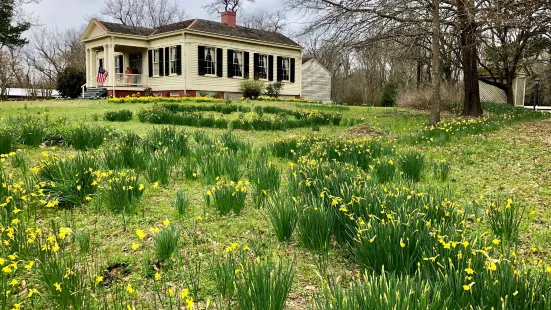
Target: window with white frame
{"x": 238, "y": 64}
{"x": 263, "y": 67}
{"x": 156, "y": 62}
{"x": 172, "y": 59}
{"x": 210, "y": 60}
{"x": 286, "y": 69}
{"x": 118, "y": 65}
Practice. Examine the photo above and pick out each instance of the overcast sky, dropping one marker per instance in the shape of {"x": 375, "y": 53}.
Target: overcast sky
{"x": 73, "y": 13}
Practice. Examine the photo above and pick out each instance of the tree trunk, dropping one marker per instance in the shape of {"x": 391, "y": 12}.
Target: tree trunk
{"x": 509, "y": 92}
{"x": 419, "y": 74}
{"x": 467, "y": 25}
{"x": 436, "y": 78}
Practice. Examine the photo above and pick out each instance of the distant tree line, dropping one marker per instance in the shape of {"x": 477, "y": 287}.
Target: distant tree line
{"x": 418, "y": 42}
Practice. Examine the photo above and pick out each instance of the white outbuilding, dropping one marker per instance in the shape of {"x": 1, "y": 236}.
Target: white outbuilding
{"x": 316, "y": 80}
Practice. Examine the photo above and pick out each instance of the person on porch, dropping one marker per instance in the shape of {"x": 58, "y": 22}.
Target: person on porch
{"x": 127, "y": 75}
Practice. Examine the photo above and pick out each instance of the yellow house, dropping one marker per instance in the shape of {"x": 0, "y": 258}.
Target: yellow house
{"x": 189, "y": 57}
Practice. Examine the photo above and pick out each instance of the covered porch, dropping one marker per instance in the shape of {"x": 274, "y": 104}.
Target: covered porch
{"x": 126, "y": 65}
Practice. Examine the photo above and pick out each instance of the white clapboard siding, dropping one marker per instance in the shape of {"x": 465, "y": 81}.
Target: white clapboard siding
{"x": 171, "y": 82}
{"x": 231, "y": 85}
{"x": 316, "y": 81}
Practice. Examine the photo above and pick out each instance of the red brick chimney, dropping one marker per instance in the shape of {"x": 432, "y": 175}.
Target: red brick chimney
{"x": 229, "y": 18}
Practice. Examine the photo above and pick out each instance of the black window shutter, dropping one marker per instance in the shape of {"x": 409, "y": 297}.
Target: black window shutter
{"x": 279, "y": 68}
{"x": 246, "y": 65}
{"x": 255, "y": 69}
{"x": 201, "y": 56}
{"x": 271, "y": 68}
{"x": 121, "y": 64}
{"x": 179, "y": 59}
{"x": 219, "y": 62}
{"x": 161, "y": 63}
{"x": 150, "y": 62}
{"x": 230, "y": 63}
{"x": 167, "y": 61}
{"x": 292, "y": 70}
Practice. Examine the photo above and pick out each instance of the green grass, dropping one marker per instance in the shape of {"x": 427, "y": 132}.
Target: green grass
{"x": 511, "y": 161}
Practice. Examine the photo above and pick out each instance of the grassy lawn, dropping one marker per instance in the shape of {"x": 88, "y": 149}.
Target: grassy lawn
{"x": 512, "y": 162}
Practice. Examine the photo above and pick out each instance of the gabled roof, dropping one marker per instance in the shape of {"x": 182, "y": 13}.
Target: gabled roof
{"x": 205, "y": 26}
{"x": 126, "y": 29}
{"x": 306, "y": 59}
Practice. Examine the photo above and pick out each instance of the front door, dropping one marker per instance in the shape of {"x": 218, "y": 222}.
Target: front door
{"x": 136, "y": 67}
{"x": 136, "y": 63}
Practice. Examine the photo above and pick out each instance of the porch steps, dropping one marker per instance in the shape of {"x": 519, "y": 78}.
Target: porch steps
{"x": 92, "y": 93}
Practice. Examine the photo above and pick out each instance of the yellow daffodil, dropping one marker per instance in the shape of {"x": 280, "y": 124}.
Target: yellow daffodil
{"x": 32, "y": 292}
{"x": 184, "y": 293}
{"x": 140, "y": 233}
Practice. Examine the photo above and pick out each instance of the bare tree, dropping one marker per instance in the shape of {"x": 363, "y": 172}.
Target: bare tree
{"x": 436, "y": 60}
{"x": 264, "y": 20}
{"x": 513, "y": 36}
{"x": 51, "y": 51}
{"x": 218, "y": 6}
{"x": 144, "y": 13}
{"x": 359, "y": 23}
{"x": 10, "y": 69}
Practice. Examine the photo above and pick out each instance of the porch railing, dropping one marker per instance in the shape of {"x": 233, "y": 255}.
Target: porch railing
{"x": 130, "y": 80}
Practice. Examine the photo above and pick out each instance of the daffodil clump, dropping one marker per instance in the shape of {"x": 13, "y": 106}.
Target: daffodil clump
{"x": 283, "y": 215}
{"x": 32, "y": 131}
{"x": 499, "y": 115}
{"x": 84, "y": 137}
{"x": 428, "y": 240}
{"x": 155, "y": 99}
{"x": 122, "y": 191}
{"x": 161, "y": 115}
{"x": 197, "y": 116}
{"x": 7, "y": 140}
{"x": 255, "y": 283}
{"x": 68, "y": 181}
{"x": 360, "y": 152}
{"x": 504, "y": 219}
{"x": 281, "y": 99}
{"x": 227, "y": 196}
{"x": 266, "y": 178}
{"x": 118, "y": 116}
{"x": 34, "y": 265}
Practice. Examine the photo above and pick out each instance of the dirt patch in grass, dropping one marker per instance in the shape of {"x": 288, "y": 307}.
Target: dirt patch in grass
{"x": 362, "y": 131}
{"x": 114, "y": 272}
{"x": 538, "y": 131}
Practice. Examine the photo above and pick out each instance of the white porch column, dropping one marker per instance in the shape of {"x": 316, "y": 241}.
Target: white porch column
{"x": 112, "y": 64}
{"x": 145, "y": 68}
{"x": 92, "y": 67}
{"x": 87, "y": 67}
{"x": 106, "y": 62}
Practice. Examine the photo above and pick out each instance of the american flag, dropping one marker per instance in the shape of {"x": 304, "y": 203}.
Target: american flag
{"x": 102, "y": 76}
